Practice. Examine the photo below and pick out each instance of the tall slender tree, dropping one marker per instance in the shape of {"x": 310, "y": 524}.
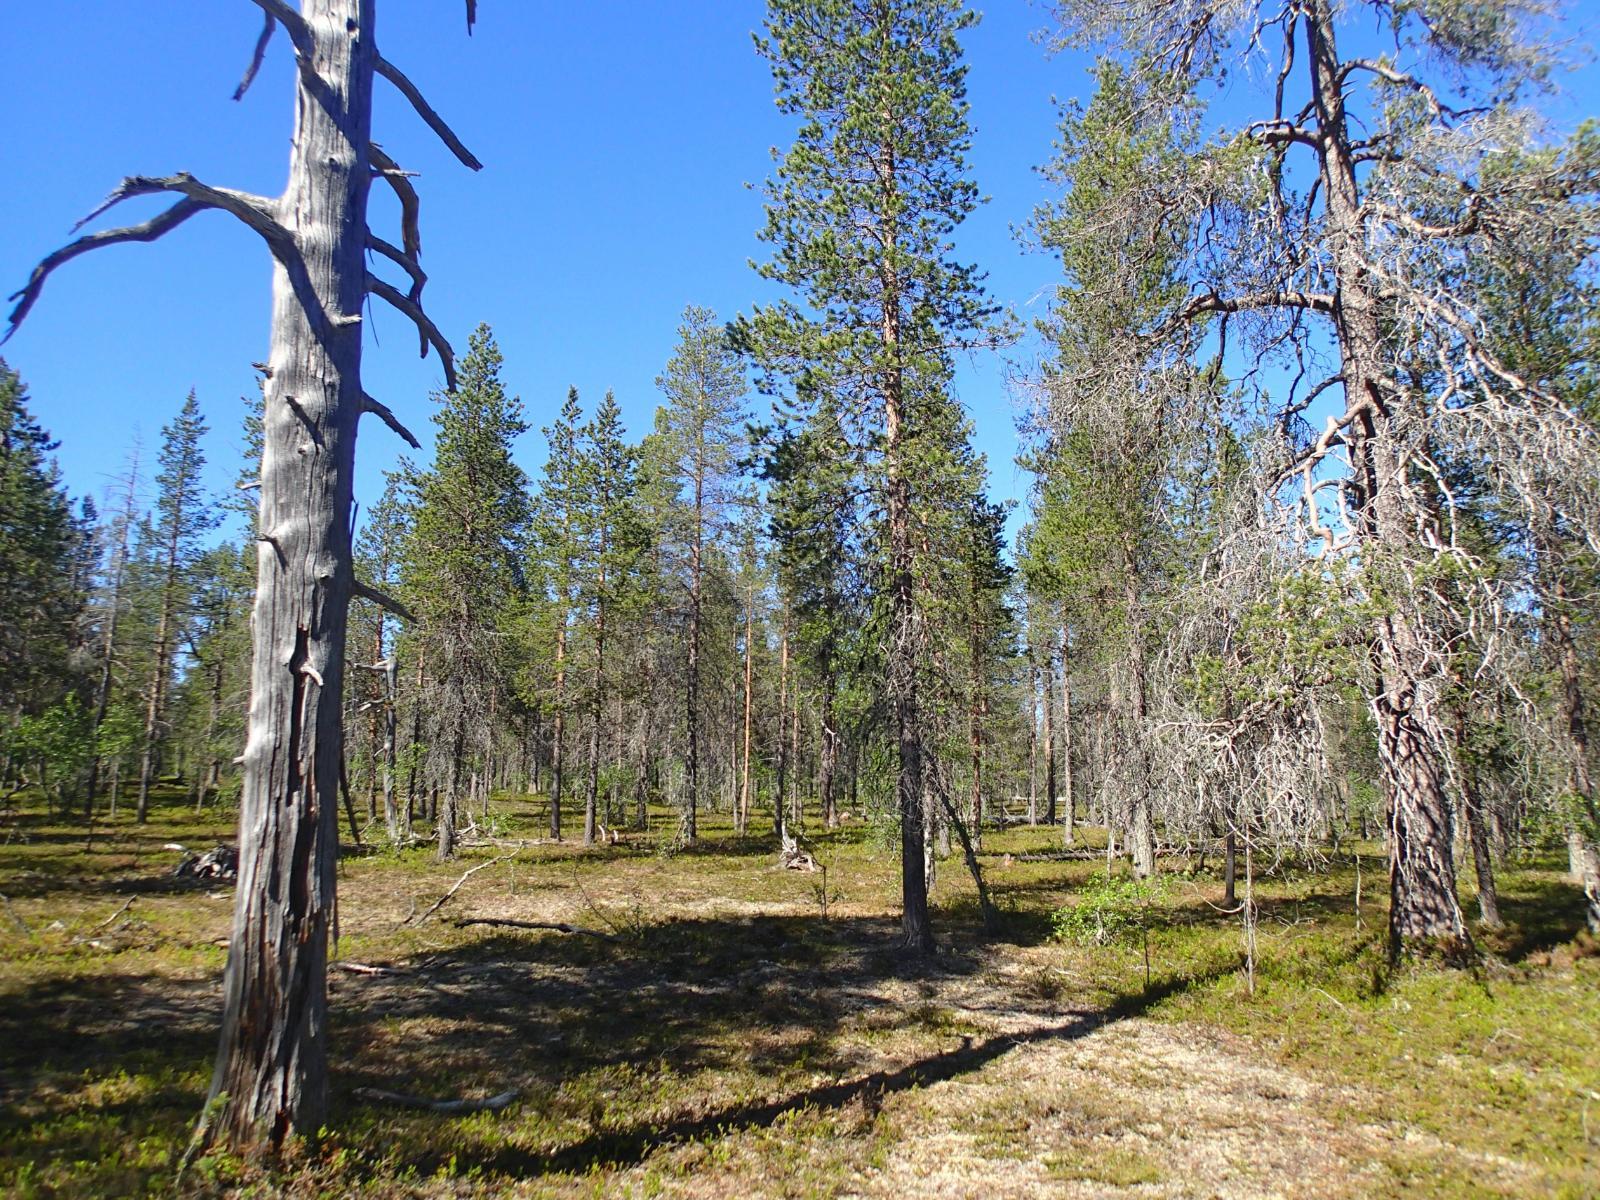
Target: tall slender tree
{"x": 704, "y": 386}
{"x": 183, "y": 515}
{"x": 860, "y": 214}
{"x": 556, "y": 523}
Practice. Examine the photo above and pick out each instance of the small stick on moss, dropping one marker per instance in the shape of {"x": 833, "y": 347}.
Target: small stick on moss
{"x": 491, "y": 1104}
{"x": 114, "y": 915}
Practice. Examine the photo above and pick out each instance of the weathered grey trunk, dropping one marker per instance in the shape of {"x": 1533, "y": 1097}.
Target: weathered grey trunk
{"x": 1422, "y": 881}
{"x": 272, "y": 1059}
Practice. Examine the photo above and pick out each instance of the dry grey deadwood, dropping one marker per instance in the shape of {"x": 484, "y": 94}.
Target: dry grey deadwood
{"x": 271, "y": 1071}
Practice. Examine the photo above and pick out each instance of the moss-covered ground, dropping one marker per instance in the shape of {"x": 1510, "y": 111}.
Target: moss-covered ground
{"x": 742, "y": 1030}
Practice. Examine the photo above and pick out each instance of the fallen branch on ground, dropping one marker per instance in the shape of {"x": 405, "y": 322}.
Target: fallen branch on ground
{"x": 491, "y": 1104}
{"x": 466, "y": 875}
{"x": 356, "y": 968}
{"x": 558, "y": 926}
{"x": 96, "y": 929}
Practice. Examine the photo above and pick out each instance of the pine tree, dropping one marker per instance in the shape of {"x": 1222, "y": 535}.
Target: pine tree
{"x": 557, "y": 533}
{"x": 704, "y": 414}
{"x": 183, "y": 516}
{"x": 860, "y": 216}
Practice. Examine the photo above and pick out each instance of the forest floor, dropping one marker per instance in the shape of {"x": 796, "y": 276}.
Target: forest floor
{"x": 741, "y": 1030}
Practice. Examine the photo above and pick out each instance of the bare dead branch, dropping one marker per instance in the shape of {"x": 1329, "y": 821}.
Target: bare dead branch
{"x": 1211, "y": 302}
{"x": 401, "y": 259}
{"x": 146, "y": 231}
{"x": 465, "y": 875}
{"x": 425, "y": 110}
{"x": 382, "y": 411}
{"x": 382, "y": 600}
{"x": 423, "y": 322}
{"x": 293, "y": 23}
{"x": 453, "y": 1107}
{"x": 400, "y": 182}
{"x": 256, "y": 58}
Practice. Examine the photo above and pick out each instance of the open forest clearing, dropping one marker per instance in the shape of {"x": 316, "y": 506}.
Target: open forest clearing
{"x": 727, "y": 1035}
{"x": 1081, "y": 689}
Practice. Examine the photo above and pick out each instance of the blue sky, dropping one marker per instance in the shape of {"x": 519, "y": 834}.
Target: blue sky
{"x": 617, "y": 140}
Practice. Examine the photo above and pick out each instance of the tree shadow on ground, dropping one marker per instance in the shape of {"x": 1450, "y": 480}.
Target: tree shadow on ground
{"x": 696, "y": 996}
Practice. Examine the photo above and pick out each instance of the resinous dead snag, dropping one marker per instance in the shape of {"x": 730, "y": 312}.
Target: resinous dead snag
{"x": 271, "y": 1071}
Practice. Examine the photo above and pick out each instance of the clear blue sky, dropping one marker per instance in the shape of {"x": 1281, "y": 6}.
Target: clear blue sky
{"x": 617, "y": 139}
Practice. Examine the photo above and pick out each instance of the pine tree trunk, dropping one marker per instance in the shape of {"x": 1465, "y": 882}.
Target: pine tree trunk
{"x": 558, "y": 751}
{"x": 743, "y": 822}
{"x": 1049, "y": 743}
{"x": 780, "y": 797}
{"x": 272, "y": 1058}
{"x": 1422, "y": 883}
{"x": 916, "y": 927}
{"x": 156, "y": 696}
{"x": 830, "y": 750}
{"x": 691, "y": 687}
{"x": 1067, "y": 816}
{"x": 596, "y": 684}
{"x": 1141, "y": 833}
{"x": 108, "y": 645}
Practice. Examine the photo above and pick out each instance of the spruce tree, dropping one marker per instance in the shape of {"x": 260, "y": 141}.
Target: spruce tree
{"x": 462, "y": 564}
{"x": 39, "y": 601}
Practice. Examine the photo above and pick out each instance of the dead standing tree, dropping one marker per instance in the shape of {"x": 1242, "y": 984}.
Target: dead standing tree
{"x": 271, "y": 1072}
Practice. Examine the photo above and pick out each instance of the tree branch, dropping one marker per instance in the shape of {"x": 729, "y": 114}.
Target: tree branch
{"x": 425, "y": 110}
{"x": 399, "y": 180}
{"x": 382, "y": 411}
{"x": 293, "y": 23}
{"x": 255, "y": 59}
{"x": 382, "y": 600}
{"x": 147, "y": 231}
{"x": 418, "y": 276}
{"x": 1210, "y": 302}
{"x": 423, "y": 322}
